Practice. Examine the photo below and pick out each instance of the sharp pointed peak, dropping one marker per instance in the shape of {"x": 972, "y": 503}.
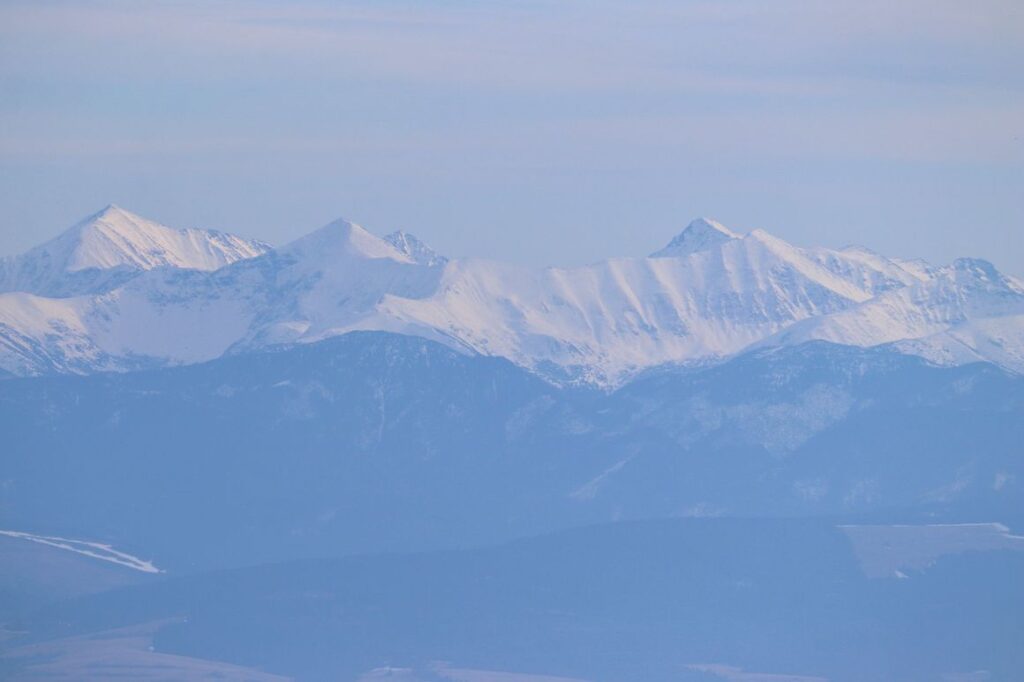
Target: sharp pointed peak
{"x": 699, "y": 235}
{"x": 114, "y": 238}
{"x": 111, "y": 211}
{"x": 112, "y": 208}
{"x": 109, "y": 219}
{"x": 705, "y": 224}
{"x": 340, "y": 225}
{"x": 343, "y": 237}
{"x": 339, "y": 229}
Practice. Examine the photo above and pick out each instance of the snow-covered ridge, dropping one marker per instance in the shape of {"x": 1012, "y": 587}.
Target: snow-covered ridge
{"x": 109, "y": 247}
{"x": 710, "y": 293}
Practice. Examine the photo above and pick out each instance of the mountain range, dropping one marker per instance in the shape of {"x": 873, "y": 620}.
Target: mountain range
{"x": 351, "y": 457}
{"x": 118, "y": 292}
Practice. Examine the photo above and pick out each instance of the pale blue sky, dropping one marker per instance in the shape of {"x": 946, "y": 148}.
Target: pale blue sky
{"x": 543, "y": 132}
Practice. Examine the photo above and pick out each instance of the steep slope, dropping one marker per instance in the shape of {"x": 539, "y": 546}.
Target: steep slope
{"x": 597, "y": 323}
{"x": 109, "y": 247}
{"x": 157, "y": 318}
{"x": 700, "y": 235}
{"x": 966, "y": 312}
{"x": 326, "y": 283}
{"x": 330, "y": 282}
{"x": 602, "y": 323}
{"x": 415, "y": 249}
{"x": 709, "y": 294}
{"x": 868, "y": 270}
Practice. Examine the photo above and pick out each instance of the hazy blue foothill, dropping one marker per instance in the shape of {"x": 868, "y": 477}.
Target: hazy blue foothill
{"x": 374, "y": 442}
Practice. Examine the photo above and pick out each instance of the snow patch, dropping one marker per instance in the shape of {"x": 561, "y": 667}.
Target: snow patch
{"x": 96, "y": 550}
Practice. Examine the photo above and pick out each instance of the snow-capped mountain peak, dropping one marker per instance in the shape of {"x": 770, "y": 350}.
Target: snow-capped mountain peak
{"x": 700, "y": 235}
{"x": 710, "y": 294}
{"x": 980, "y": 273}
{"x": 113, "y": 245}
{"x": 115, "y": 237}
{"x": 343, "y": 239}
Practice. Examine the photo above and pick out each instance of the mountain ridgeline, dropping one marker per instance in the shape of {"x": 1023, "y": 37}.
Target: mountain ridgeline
{"x": 351, "y": 457}
{"x": 118, "y": 292}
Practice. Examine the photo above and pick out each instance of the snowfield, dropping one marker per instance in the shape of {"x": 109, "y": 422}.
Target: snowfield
{"x": 154, "y": 296}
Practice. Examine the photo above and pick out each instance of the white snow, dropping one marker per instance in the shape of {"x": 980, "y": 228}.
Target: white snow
{"x": 966, "y": 312}
{"x": 117, "y": 241}
{"x": 96, "y": 550}
{"x": 709, "y": 294}
{"x": 414, "y": 248}
{"x": 116, "y": 237}
{"x": 591, "y": 488}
